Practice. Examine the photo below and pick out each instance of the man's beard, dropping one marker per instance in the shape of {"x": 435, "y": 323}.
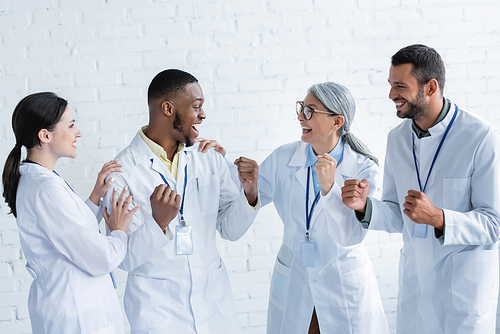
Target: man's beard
{"x": 417, "y": 108}
{"x": 179, "y": 125}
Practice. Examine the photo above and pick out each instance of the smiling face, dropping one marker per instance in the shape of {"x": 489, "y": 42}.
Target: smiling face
{"x": 321, "y": 130}
{"x": 409, "y": 98}
{"x": 188, "y": 114}
{"x": 63, "y": 138}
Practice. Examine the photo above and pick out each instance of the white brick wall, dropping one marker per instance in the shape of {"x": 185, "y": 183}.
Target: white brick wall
{"x": 254, "y": 59}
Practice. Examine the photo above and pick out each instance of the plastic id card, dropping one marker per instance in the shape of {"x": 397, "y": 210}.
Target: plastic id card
{"x": 307, "y": 253}
{"x": 183, "y": 240}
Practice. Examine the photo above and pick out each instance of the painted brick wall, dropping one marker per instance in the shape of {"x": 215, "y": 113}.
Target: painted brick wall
{"x": 254, "y": 59}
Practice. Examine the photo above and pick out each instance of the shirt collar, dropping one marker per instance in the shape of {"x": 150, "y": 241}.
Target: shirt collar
{"x": 154, "y": 147}
{"x": 337, "y": 153}
{"x": 421, "y": 133}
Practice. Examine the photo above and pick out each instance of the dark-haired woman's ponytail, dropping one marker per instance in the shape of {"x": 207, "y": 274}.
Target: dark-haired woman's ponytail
{"x": 10, "y": 178}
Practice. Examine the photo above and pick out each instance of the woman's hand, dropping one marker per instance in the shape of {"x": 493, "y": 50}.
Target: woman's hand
{"x": 325, "y": 167}
{"x": 101, "y": 186}
{"x": 120, "y": 216}
{"x": 206, "y": 144}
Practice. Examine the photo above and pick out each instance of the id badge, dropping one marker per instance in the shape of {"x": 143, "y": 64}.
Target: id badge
{"x": 307, "y": 257}
{"x": 183, "y": 240}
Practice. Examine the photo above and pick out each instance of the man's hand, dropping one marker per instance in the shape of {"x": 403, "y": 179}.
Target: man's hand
{"x": 325, "y": 168}
{"x": 248, "y": 172}
{"x": 165, "y": 204}
{"x": 419, "y": 208}
{"x": 206, "y": 144}
{"x": 354, "y": 194}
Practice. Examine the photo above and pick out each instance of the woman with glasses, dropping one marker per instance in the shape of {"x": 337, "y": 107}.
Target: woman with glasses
{"x": 318, "y": 286}
{"x": 69, "y": 260}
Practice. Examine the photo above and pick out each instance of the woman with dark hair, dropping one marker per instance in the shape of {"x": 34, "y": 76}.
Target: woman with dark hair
{"x": 318, "y": 286}
{"x": 70, "y": 261}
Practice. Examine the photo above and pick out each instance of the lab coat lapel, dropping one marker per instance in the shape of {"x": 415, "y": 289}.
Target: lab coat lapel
{"x": 299, "y": 160}
{"x": 184, "y": 159}
{"x": 158, "y": 167}
{"x": 348, "y": 169}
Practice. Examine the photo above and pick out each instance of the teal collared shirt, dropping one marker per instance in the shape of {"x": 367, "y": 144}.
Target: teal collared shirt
{"x": 337, "y": 153}
{"x": 365, "y": 220}
{"x": 421, "y": 133}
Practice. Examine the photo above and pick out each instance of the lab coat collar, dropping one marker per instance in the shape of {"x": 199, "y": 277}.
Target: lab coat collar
{"x": 142, "y": 154}
{"x": 439, "y": 129}
{"x": 31, "y": 168}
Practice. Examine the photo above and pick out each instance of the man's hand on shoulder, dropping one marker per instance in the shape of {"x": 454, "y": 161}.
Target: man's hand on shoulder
{"x": 206, "y": 144}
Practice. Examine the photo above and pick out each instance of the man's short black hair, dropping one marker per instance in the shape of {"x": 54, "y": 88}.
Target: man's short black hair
{"x": 427, "y": 63}
{"x": 168, "y": 84}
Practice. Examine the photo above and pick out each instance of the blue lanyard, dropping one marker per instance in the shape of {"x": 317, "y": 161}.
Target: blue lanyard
{"x": 309, "y": 212}
{"x": 181, "y": 210}
{"x": 435, "y": 155}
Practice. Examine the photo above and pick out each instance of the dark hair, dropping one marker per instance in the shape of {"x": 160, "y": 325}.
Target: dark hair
{"x": 427, "y": 64}
{"x": 168, "y": 84}
{"x": 338, "y": 101}
{"x": 33, "y": 113}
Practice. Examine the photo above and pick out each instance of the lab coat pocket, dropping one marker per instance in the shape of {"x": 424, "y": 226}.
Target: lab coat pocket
{"x": 279, "y": 285}
{"x": 207, "y": 193}
{"x": 360, "y": 289}
{"x": 147, "y": 302}
{"x": 221, "y": 291}
{"x": 474, "y": 280}
{"x": 456, "y": 194}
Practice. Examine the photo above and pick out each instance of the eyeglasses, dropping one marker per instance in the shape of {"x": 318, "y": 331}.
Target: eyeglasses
{"x": 308, "y": 112}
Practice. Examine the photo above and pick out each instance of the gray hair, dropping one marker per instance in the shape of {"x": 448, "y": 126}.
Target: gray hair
{"x": 338, "y": 101}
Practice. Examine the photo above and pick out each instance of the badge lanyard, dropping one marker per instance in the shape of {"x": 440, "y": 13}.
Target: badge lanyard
{"x": 307, "y": 247}
{"x": 420, "y": 230}
{"x": 183, "y": 232}
{"x": 181, "y": 210}
{"x": 36, "y": 163}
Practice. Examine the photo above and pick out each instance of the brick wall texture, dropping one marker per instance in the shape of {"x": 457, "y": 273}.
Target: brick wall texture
{"x": 254, "y": 59}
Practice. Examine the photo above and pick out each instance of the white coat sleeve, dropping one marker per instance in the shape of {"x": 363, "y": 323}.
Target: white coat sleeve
{"x": 146, "y": 238}
{"x": 235, "y": 215}
{"x": 386, "y": 214}
{"x": 481, "y": 225}
{"x": 343, "y": 225}
{"x": 97, "y": 210}
{"x": 268, "y": 179}
{"x": 64, "y": 228}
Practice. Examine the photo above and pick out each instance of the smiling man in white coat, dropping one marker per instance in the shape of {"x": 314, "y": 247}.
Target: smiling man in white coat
{"x": 441, "y": 191}
{"x": 177, "y": 281}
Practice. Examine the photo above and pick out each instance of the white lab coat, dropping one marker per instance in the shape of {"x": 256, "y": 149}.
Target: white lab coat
{"x": 72, "y": 291}
{"x": 446, "y": 285}
{"x": 170, "y": 293}
{"x": 342, "y": 285}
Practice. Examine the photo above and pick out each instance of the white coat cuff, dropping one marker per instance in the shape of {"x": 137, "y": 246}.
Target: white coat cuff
{"x": 120, "y": 235}
{"x": 334, "y": 196}
{"x": 450, "y": 229}
{"x": 92, "y": 206}
{"x": 153, "y": 226}
{"x": 256, "y": 206}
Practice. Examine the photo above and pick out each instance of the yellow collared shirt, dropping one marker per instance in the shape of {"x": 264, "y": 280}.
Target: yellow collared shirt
{"x": 160, "y": 152}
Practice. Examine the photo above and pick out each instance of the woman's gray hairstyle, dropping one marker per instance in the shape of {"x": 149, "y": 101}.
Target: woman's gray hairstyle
{"x": 339, "y": 101}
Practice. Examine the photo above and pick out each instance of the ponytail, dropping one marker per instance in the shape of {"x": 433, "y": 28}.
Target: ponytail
{"x": 33, "y": 113}
{"x": 10, "y": 178}
{"x": 338, "y": 101}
